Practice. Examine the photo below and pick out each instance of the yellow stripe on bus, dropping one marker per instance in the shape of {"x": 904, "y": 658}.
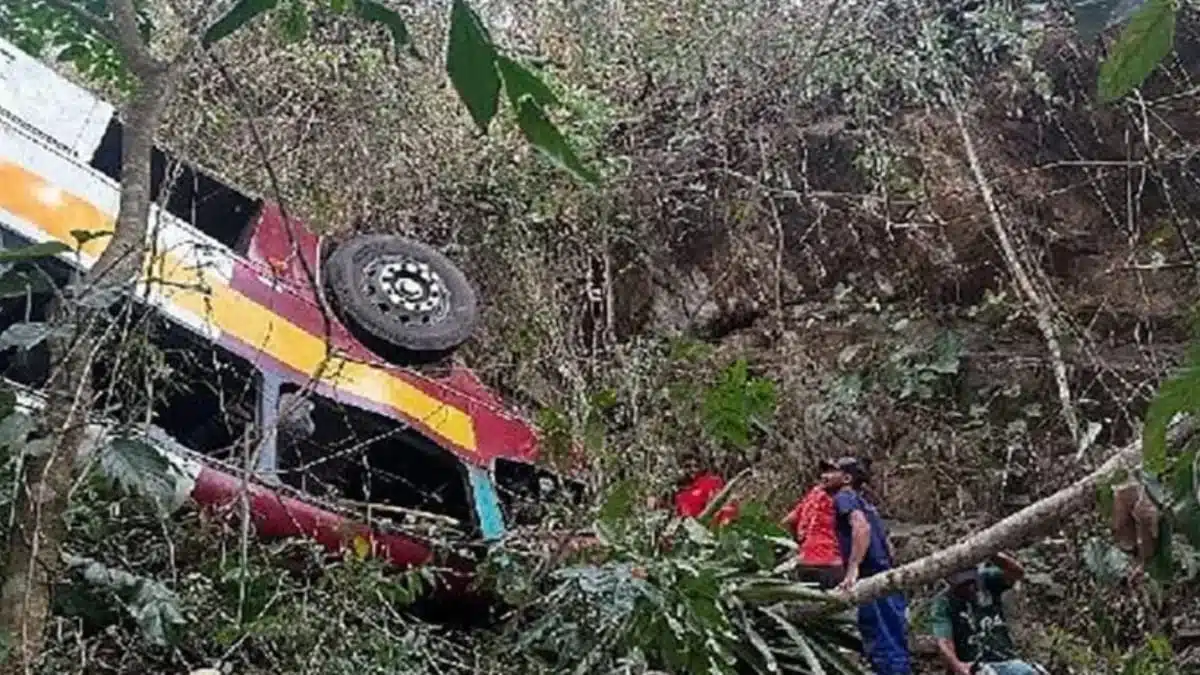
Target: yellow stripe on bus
{"x": 203, "y": 293}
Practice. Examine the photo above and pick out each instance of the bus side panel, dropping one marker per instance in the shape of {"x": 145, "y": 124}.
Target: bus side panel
{"x": 277, "y": 516}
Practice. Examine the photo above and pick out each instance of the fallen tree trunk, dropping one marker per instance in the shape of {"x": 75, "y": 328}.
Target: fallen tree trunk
{"x": 1007, "y": 533}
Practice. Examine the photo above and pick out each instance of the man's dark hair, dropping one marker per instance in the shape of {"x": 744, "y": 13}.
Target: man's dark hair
{"x": 857, "y": 468}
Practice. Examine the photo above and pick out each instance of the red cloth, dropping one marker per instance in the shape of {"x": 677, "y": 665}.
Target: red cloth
{"x": 691, "y": 501}
{"x": 815, "y": 529}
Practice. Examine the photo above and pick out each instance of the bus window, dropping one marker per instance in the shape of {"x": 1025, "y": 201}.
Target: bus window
{"x": 209, "y": 400}
{"x": 341, "y": 452}
{"x": 527, "y": 492}
{"x": 195, "y": 197}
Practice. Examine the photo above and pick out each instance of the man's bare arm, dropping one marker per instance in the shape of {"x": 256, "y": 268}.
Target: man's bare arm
{"x": 950, "y": 657}
{"x": 1012, "y": 568}
{"x": 790, "y": 519}
{"x": 860, "y": 539}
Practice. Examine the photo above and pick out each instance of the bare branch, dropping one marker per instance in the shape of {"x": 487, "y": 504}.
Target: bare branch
{"x": 129, "y": 40}
{"x": 1042, "y": 310}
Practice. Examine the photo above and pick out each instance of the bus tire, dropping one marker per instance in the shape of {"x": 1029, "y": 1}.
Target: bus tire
{"x": 402, "y": 293}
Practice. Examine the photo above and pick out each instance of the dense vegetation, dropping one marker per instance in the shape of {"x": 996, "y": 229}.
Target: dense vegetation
{"x": 786, "y": 250}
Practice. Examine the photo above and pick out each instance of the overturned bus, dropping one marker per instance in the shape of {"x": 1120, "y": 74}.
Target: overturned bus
{"x": 270, "y": 328}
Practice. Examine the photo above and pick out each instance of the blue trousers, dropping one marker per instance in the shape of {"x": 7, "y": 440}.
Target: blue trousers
{"x": 884, "y": 629}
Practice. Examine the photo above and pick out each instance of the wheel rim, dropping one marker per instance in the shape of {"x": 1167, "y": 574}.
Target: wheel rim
{"x": 406, "y": 290}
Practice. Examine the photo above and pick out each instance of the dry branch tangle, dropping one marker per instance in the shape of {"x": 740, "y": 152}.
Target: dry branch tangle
{"x": 1009, "y": 532}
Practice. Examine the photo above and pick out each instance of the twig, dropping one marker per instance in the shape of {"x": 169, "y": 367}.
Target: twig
{"x": 244, "y": 543}
{"x": 1041, "y": 308}
{"x": 399, "y": 510}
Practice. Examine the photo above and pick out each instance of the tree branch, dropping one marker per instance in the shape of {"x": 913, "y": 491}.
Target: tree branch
{"x": 129, "y": 40}
{"x": 1009, "y": 532}
{"x": 1042, "y": 311}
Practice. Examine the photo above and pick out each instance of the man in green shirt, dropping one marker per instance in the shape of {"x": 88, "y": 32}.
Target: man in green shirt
{"x": 968, "y": 621}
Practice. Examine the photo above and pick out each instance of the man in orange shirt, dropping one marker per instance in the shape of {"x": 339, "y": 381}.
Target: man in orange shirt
{"x": 812, "y": 521}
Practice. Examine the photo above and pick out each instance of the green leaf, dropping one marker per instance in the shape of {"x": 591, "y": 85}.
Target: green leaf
{"x": 294, "y": 21}
{"x": 471, "y": 64}
{"x": 45, "y": 249}
{"x": 520, "y": 82}
{"x": 1143, "y": 43}
{"x": 241, "y": 14}
{"x": 15, "y": 429}
{"x": 1162, "y": 565}
{"x": 619, "y": 504}
{"x": 543, "y": 135}
{"x": 1186, "y": 507}
{"x": 735, "y": 403}
{"x": 373, "y": 12}
{"x": 1105, "y": 562}
{"x": 24, "y": 335}
{"x": 338, "y": 6}
{"x": 1179, "y": 394}
{"x": 82, "y": 237}
{"x": 152, "y": 605}
{"x": 139, "y": 468}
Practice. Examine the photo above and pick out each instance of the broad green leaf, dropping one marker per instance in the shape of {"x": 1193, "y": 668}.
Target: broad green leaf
{"x": 152, "y": 605}
{"x": 45, "y": 249}
{"x": 15, "y": 429}
{"x": 139, "y": 468}
{"x": 294, "y": 21}
{"x": 1144, "y": 42}
{"x": 471, "y": 64}
{"x": 374, "y": 12}
{"x": 543, "y": 135}
{"x": 619, "y": 504}
{"x": 520, "y": 82}
{"x": 241, "y": 14}
{"x": 733, "y": 405}
{"x": 24, "y": 335}
{"x": 1106, "y": 563}
{"x": 1179, "y": 394}
{"x": 339, "y": 6}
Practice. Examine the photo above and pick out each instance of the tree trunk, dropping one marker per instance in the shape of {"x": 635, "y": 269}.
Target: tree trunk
{"x": 39, "y": 528}
{"x": 1009, "y": 532}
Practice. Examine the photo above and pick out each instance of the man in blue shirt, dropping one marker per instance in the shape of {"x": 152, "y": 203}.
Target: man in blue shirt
{"x": 864, "y": 546}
